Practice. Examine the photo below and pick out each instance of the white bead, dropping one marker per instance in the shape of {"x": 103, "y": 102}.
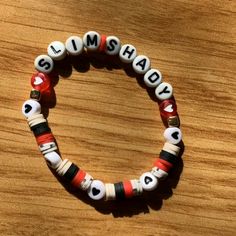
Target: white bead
{"x": 31, "y": 107}
{"x": 43, "y": 63}
{"x": 96, "y": 190}
{"x": 60, "y": 167}
{"x": 92, "y": 40}
{"x": 164, "y": 91}
{"x": 57, "y": 50}
{"x": 137, "y": 187}
{"x": 141, "y": 64}
{"x": 47, "y": 147}
{"x": 152, "y": 78}
{"x": 112, "y": 45}
{"x": 74, "y": 45}
{"x": 127, "y": 53}
{"x": 36, "y": 119}
{"x": 85, "y": 184}
{"x": 53, "y": 159}
{"x": 173, "y": 135}
{"x": 149, "y": 181}
{"x": 159, "y": 173}
{"x": 171, "y": 148}
{"x": 110, "y": 192}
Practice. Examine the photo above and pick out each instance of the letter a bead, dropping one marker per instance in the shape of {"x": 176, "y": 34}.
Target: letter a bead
{"x": 141, "y": 64}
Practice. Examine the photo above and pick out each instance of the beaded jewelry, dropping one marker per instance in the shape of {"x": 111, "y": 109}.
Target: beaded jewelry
{"x": 42, "y": 86}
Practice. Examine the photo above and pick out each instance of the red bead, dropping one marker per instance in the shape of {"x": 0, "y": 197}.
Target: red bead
{"x": 128, "y": 189}
{"x": 168, "y": 108}
{"x": 102, "y": 46}
{"x": 45, "y": 138}
{"x": 41, "y": 82}
{"x": 77, "y": 180}
{"x": 163, "y": 165}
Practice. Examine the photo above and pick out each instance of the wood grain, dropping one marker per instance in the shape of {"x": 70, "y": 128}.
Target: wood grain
{"x": 108, "y": 123}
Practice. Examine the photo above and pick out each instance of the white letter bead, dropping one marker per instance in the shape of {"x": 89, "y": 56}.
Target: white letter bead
{"x": 158, "y": 173}
{"x": 110, "y": 192}
{"x": 31, "y": 107}
{"x": 57, "y": 50}
{"x": 173, "y": 135}
{"x": 43, "y": 63}
{"x": 149, "y": 181}
{"x": 127, "y": 53}
{"x": 53, "y": 159}
{"x": 171, "y": 148}
{"x": 92, "y": 40}
{"x": 112, "y": 45}
{"x": 152, "y": 78}
{"x": 96, "y": 190}
{"x": 141, "y": 64}
{"x": 74, "y": 45}
{"x": 164, "y": 91}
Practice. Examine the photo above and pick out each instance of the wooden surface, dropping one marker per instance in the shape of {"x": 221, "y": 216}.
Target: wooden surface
{"x": 106, "y": 121}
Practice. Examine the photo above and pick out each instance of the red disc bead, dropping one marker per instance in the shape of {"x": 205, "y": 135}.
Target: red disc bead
{"x": 41, "y": 82}
{"x": 161, "y": 165}
{"x": 168, "y": 108}
{"x": 128, "y": 189}
{"x": 77, "y": 180}
{"x": 102, "y": 46}
{"x": 45, "y": 138}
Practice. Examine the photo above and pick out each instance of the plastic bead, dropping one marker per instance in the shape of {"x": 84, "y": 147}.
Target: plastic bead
{"x": 173, "y": 135}
{"x": 86, "y": 182}
{"x": 112, "y": 45}
{"x": 141, "y": 64}
{"x": 137, "y": 187}
{"x": 74, "y": 45}
{"x": 163, "y": 165}
{"x": 53, "y": 159}
{"x": 171, "y": 148}
{"x": 128, "y": 188}
{"x": 127, "y": 53}
{"x": 152, "y": 78}
{"x": 35, "y": 94}
{"x": 44, "y": 63}
{"x": 40, "y": 82}
{"x": 164, "y": 91}
{"x": 57, "y": 50}
{"x": 47, "y": 147}
{"x": 40, "y": 129}
{"x": 45, "y": 138}
{"x": 65, "y": 164}
{"x": 36, "y": 120}
{"x": 119, "y": 190}
{"x": 168, "y": 108}
{"x": 31, "y": 107}
{"x": 96, "y": 190}
{"x": 78, "y": 178}
{"x": 102, "y": 46}
{"x": 92, "y": 40}
{"x": 169, "y": 157}
{"x": 110, "y": 192}
{"x": 158, "y": 173}
{"x": 149, "y": 181}
{"x": 71, "y": 172}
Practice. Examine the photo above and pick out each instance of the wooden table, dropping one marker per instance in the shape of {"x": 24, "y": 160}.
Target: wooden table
{"x": 107, "y": 122}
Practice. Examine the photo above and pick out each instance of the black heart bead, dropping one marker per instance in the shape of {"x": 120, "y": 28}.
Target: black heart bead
{"x": 147, "y": 180}
{"x": 28, "y": 108}
{"x": 95, "y": 191}
{"x": 175, "y": 135}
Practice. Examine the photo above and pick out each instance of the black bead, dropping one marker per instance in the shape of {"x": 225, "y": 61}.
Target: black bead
{"x": 40, "y": 129}
{"x": 120, "y": 191}
{"x": 71, "y": 172}
{"x": 164, "y": 155}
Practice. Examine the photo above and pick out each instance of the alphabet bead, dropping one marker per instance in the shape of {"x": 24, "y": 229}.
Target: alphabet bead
{"x": 57, "y": 50}
{"x": 152, "y": 78}
{"x": 173, "y": 135}
{"x": 74, "y": 45}
{"x": 141, "y": 64}
{"x": 164, "y": 91}
{"x": 31, "y": 107}
{"x": 40, "y": 82}
{"x": 43, "y": 63}
{"x": 112, "y": 45}
{"x": 149, "y": 181}
{"x": 110, "y": 192}
{"x": 127, "y": 53}
{"x": 96, "y": 190}
{"x": 53, "y": 159}
{"x": 92, "y": 40}
{"x": 158, "y": 173}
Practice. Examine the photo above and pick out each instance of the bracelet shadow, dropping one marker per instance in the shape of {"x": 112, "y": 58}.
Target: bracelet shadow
{"x": 124, "y": 208}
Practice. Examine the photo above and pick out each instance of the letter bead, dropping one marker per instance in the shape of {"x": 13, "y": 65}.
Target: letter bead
{"x": 57, "y": 50}
{"x": 112, "y": 45}
{"x": 31, "y": 107}
{"x": 164, "y": 91}
{"x": 74, "y": 45}
{"x": 92, "y": 40}
{"x": 53, "y": 159}
{"x": 127, "y": 53}
{"x": 173, "y": 135}
{"x": 149, "y": 181}
{"x": 96, "y": 190}
{"x": 43, "y": 63}
{"x": 141, "y": 64}
{"x": 152, "y": 78}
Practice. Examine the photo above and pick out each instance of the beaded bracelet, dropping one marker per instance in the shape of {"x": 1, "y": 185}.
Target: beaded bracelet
{"x": 42, "y": 88}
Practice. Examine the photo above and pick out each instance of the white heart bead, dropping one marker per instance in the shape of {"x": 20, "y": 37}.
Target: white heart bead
{"x": 152, "y": 78}
{"x": 141, "y": 64}
{"x": 97, "y": 190}
{"x": 31, "y": 107}
{"x": 43, "y": 63}
{"x": 92, "y": 40}
{"x": 53, "y": 159}
{"x": 164, "y": 91}
{"x": 127, "y": 53}
{"x": 112, "y": 45}
{"x": 74, "y": 45}
{"x": 57, "y": 50}
{"x": 173, "y": 135}
{"x": 149, "y": 181}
